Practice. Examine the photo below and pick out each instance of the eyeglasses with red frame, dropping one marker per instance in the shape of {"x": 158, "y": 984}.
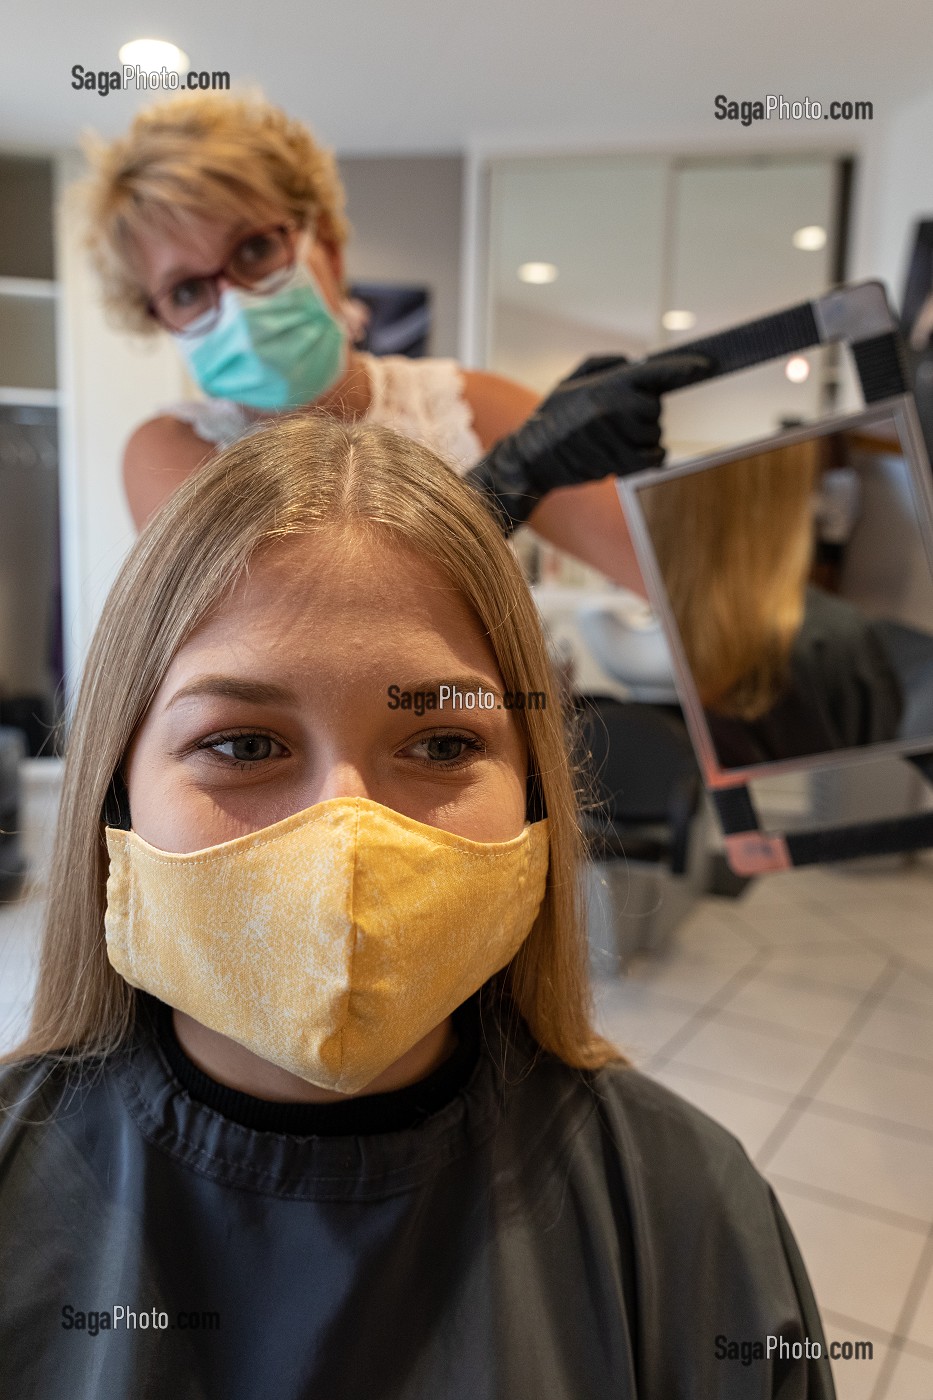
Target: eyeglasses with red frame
{"x": 262, "y": 259}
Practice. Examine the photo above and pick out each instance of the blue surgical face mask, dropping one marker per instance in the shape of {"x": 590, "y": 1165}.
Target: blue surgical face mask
{"x": 275, "y": 349}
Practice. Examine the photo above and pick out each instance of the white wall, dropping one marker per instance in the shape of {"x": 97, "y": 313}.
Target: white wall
{"x": 109, "y": 383}
{"x": 895, "y": 188}
{"x": 406, "y": 217}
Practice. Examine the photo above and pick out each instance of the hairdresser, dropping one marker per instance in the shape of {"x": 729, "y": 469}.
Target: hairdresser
{"x": 219, "y": 219}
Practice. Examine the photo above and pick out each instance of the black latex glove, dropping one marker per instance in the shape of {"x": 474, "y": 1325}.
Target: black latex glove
{"x": 602, "y": 420}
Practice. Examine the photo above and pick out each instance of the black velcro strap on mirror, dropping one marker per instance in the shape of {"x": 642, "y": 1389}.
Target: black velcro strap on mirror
{"x": 882, "y": 369}
{"x": 755, "y": 342}
{"x": 882, "y": 838}
{"x": 736, "y": 812}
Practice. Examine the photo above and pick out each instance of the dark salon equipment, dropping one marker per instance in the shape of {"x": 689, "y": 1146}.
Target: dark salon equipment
{"x": 641, "y": 818}
{"x": 12, "y": 865}
{"x": 31, "y": 631}
{"x": 398, "y": 320}
{"x": 917, "y": 325}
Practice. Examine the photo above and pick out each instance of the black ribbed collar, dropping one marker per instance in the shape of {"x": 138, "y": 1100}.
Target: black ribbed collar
{"x": 345, "y": 1165}
{"x": 365, "y": 1113}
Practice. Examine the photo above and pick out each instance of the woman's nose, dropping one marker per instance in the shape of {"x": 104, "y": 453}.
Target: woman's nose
{"x": 341, "y": 780}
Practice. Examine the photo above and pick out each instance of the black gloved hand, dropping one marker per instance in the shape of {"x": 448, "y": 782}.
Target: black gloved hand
{"x": 602, "y": 420}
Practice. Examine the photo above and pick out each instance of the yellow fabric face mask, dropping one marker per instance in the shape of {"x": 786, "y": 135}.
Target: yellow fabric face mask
{"x": 329, "y": 943}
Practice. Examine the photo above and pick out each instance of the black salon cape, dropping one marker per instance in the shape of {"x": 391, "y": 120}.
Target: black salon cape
{"x": 546, "y": 1235}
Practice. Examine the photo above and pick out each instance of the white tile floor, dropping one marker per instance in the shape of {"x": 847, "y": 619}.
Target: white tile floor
{"x": 801, "y": 1017}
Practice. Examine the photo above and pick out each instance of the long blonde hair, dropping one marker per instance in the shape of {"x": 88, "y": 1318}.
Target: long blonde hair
{"x": 299, "y": 476}
{"x": 201, "y": 155}
{"x": 734, "y": 544}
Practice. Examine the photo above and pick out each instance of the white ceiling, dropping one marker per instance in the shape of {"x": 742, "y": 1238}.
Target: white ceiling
{"x": 423, "y": 75}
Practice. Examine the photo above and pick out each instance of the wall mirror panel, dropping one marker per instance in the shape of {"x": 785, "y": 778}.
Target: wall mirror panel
{"x": 593, "y": 254}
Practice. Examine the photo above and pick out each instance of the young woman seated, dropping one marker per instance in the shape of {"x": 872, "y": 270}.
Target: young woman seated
{"x": 312, "y": 1103}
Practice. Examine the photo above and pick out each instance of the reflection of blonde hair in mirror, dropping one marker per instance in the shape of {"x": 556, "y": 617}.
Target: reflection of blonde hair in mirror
{"x": 735, "y": 544}
{"x": 307, "y": 476}
{"x": 202, "y": 155}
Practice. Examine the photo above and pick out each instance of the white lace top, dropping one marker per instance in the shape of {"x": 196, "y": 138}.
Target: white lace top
{"x": 421, "y": 398}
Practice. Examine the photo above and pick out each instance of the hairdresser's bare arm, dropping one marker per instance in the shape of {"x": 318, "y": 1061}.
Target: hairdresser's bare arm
{"x": 586, "y": 521}
{"x": 161, "y": 454}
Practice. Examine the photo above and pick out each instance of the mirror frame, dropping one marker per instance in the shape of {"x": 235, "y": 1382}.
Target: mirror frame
{"x": 902, "y": 410}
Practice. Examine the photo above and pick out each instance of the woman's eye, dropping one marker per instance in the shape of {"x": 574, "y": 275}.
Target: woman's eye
{"x": 244, "y": 748}
{"x": 448, "y": 749}
{"x": 192, "y": 293}
{"x": 256, "y": 251}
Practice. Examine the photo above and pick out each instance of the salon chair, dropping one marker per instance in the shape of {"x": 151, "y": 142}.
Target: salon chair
{"x": 12, "y": 865}
{"x": 644, "y": 823}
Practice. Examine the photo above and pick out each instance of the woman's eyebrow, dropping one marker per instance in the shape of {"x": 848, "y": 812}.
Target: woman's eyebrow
{"x": 183, "y": 271}
{"x": 460, "y": 683}
{"x": 235, "y": 688}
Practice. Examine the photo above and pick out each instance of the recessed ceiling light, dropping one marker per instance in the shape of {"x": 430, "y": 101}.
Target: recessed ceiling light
{"x": 678, "y": 320}
{"x": 811, "y": 238}
{"x": 153, "y": 54}
{"x": 537, "y": 273}
{"x": 797, "y": 369}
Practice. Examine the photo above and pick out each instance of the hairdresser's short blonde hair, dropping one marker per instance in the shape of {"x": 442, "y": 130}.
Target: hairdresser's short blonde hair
{"x": 202, "y": 155}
